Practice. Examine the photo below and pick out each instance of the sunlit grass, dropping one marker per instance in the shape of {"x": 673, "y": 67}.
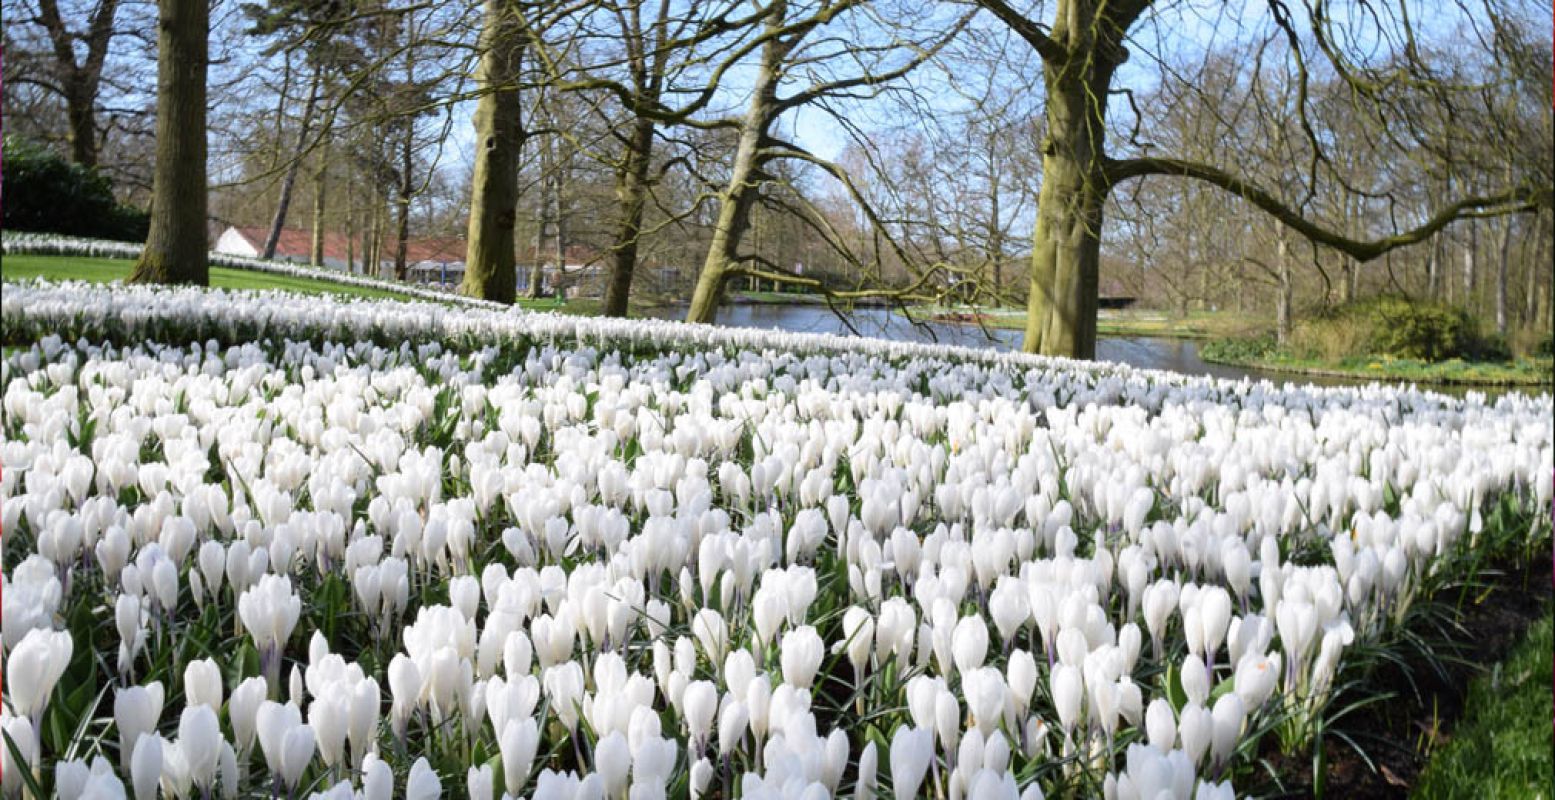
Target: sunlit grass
{"x": 1502, "y": 746}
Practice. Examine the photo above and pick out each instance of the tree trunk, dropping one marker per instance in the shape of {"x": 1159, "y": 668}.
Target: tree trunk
{"x": 176, "y": 250}
{"x": 1469, "y": 267}
{"x": 1433, "y": 269}
{"x": 542, "y": 218}
{"x": 350, "y": 225}
{"x": 489, "y": 269}
{"x": 1282, "y": 316}
{"x": 80, "y": 99}
{"x": 320, "y": 200}
{"x": 632, "y": 191}
{"x": 1540, "y": 258}
{"x": 374, "y": 244}
{"x": 1501, "y": 265}
{"x": 79, "y": 82}
{"x": 407, "y": 187}
{"x": 283, "y": 204}
{"x": 1066, "y": 248}
{"x": 739, "y": 195}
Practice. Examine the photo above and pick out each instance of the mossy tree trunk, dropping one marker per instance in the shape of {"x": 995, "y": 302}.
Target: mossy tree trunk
{"x": 1066, "y": 249}
{"x": 176, "y": 249}
{"x": 490, "y": 271}
{"x": 1080, "y": 50}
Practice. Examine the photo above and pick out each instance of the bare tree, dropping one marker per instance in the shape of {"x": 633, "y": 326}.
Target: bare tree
{"x": 175, "y": 249}
{"x": 1082, "y": 45}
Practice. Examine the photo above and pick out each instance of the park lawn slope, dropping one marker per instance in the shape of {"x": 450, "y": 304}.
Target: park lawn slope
{"x": 18, "y": 267}
{"x": 1110, "y": 322}
{"x": 1521, "y": 372}
{"x": 1502, "y": 747}
{"x": 107, "y": 270}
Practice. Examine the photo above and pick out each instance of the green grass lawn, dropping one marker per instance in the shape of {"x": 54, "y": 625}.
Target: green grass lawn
{"x": 1122, "y": 322}
{"x": 104, "y": 270}
{"x": 1501, "y": 748}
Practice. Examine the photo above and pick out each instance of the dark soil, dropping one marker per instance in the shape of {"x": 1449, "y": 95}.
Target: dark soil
{"x": 1400, "y": 733}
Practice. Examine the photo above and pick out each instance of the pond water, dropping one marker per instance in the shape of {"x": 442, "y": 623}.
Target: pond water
{"x": 1176, "y": 355}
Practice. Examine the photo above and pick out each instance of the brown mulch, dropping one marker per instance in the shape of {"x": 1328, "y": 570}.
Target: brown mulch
{"x": 1399, "y": 734}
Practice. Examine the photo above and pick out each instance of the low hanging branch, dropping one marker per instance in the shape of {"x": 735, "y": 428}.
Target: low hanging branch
{"x": 1519, "y": 200}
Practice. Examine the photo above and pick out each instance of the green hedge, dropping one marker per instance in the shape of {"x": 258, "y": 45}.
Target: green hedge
{"x": 46, "y": 193}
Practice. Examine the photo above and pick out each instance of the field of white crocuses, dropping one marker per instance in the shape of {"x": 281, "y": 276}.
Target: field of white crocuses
{"x": 284, "y": 546}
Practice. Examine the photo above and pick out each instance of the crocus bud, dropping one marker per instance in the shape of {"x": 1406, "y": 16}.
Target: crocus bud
{"x": 33, "y": 667}
{"x": 1195, "y": 727}
{"x": 243, "y": 709}
{"x": 1161, "y": 725}
{"x": 377, "y": 779}
{"x": 202, "y": 684}
{"x": 135, "y": 712}
{"x": 911, "y": 751}
{"x": 145, "y": 767}
{"x": 518, "y": 743}
{"x": 1256, "y": 676}
{"x": 701, "y": 778}
{"x": 868, "y": 769}
{"x": 200, "y": 740}
{"x": 801, "y": 654}
{"x": 700, "y": 703}
{"x": 732, "y": 723}
{"x": 423, "y": 784}
{"x": 613, "y": 762}
{"x": 480, "y": 783}
{"x": 1227, "y": 717}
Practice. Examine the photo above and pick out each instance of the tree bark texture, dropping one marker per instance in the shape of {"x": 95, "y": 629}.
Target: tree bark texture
{"x": 1066, "y": 247}
{"x": 176, "y": 250}
{"x": 490, "y": 271}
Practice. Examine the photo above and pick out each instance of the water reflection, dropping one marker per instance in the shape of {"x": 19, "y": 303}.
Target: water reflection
{"x": 1176, "y": 355}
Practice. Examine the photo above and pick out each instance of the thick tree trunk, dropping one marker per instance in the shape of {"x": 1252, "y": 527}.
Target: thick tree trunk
{"x": 739, "y": 195}
{"x": 489, "y": 269}
{"x": 283, "y": 204}
{"x": 632, "y": 192}
{"x": 1066, "y": 249}
{"x": 320, "y": 201}
{"x": 176, "y": 249}
{"x": 80, "y": 99}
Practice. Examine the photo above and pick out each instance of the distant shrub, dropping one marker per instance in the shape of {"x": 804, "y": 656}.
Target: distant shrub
{"x": 1397, "y": 327}
{"x": 1237, "y": 350}
{"x": 44, "y": 192}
